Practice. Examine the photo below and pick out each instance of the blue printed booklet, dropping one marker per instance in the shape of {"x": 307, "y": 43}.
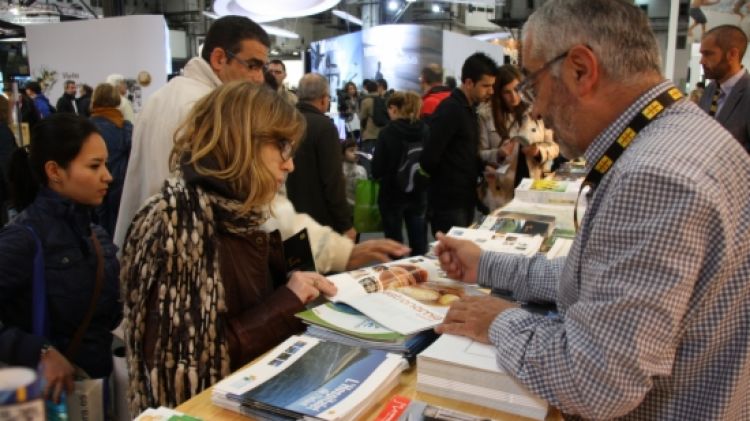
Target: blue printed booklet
{"x": 306, "y": 378}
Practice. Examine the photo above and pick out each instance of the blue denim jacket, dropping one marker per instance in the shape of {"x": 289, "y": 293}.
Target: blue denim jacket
{"x": 70, "y": 272}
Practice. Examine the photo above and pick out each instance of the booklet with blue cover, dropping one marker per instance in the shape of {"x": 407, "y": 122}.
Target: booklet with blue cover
{"x": 305, "y": 377}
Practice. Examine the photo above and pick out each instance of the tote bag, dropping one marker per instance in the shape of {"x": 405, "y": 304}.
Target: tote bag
{"x": 366, "y": 211}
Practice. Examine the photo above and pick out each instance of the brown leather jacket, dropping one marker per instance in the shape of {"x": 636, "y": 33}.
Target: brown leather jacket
{"x": 260, "y": 308}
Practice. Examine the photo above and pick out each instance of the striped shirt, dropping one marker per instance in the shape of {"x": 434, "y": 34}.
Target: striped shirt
{"x": 654, "y": 297}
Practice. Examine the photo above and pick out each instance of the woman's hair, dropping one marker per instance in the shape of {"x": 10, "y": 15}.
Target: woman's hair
{"x": 4, "y": 110}
{"x": 226, "y": 130}
{"x": 57, "y": 138}
{"x": 105, "y": 95}
{"x": 408, "y": 103}
{"x": 500, "y": 111}
{"x": 346, "y": 88}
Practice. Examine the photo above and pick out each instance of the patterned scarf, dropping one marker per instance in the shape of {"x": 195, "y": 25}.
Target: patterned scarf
{"x": 171, "y": 247}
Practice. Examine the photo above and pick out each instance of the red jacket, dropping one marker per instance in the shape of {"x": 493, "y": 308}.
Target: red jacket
{"x": 432, "y": 98}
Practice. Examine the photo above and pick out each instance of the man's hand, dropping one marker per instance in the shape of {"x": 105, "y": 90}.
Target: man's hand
{"x": 58, "y": 373}
{"x": 458, "y": 258}
{"x": 379, "y": 250}
{"x": 472, "y": 317}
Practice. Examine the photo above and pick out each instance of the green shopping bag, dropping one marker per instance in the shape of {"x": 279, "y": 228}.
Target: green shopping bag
{"x": 366, "y": 211}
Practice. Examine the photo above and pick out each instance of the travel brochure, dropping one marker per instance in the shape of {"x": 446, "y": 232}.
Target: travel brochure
{"x": 306, "y": 377}
{"x": 405, "y": 296}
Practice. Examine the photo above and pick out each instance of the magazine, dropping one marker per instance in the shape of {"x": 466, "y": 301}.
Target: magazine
{"x": 527, "y": 245}
{"x": 518, "y": 223}
{"x": 306, "y": 377}
{"x": 405, "y": 296}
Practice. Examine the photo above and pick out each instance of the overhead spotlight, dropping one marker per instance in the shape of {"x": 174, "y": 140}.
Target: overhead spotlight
{"x": 295, "y": 53}
{"x": 436, "y": 8}
{"x": 392, "y": 5}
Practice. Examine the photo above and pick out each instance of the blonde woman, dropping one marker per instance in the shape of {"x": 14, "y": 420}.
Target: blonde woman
{"x": 205, "y": 288}
{"x": 117, "y": 133}
{"x": 397, "y": 206}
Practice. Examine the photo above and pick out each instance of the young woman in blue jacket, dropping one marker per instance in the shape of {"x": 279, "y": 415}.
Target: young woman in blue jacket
{"x": 56, "y": 185}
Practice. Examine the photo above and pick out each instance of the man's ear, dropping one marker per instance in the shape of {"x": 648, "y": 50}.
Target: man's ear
{"x": 584, "y": 69}
{"x": 218, "y": 58}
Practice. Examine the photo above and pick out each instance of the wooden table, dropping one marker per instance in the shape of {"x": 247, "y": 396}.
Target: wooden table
{"x": 201, "y": 406}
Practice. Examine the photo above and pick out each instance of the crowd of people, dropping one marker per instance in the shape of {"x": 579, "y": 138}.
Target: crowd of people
{"x": 172, "y": 222}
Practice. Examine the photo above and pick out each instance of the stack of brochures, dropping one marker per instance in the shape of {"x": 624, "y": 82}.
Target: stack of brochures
{"x": 458, "y": 368}
{"x": 341, "y": 323}
{"x": 551, "y": 191}
{"x": 305, "y": 377}
{"x": 392, "y": 307}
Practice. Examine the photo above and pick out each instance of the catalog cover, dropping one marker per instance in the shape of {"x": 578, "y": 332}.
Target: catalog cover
{"x": 405, "y": 296}
{"x": 305, "y": 377}
{"x": 346, "y": 319}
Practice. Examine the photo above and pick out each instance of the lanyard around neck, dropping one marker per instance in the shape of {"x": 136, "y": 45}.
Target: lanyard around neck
{"x": 643, "y": 118}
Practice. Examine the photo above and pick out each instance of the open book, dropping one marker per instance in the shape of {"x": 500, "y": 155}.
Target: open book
{"x": 405, "y": 296}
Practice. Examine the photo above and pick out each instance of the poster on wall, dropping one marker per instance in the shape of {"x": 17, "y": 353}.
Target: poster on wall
{"x": 339, "y": 59}
{"x": 458, "y": 47}
{"x": 111, "y": 46}
{"x": 397, "y": 53}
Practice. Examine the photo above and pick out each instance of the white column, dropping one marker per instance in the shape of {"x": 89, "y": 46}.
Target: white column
{"x": 674, "y": 10}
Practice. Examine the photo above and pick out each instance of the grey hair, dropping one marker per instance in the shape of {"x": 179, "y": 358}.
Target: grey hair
{"x": 617, "y": 31}
{"x": 312, "y": 86}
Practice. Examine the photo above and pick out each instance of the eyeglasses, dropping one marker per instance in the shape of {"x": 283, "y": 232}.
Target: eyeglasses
{"x": 526, "y": 88}
{"x": 275, "y": 71}
{"x": 253, "y": 65}
{"x": 285, "y": 148}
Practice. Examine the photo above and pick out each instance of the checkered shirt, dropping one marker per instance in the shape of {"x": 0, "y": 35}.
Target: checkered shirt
{"x": 654, "y": 297}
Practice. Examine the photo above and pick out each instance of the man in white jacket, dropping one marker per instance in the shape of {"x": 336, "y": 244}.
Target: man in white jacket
{"x": 236, "y": 48}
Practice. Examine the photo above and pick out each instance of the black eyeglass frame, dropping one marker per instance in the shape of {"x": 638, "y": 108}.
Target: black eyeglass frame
{"x": 254, "y": 65}
{"x": 526, "y": 88}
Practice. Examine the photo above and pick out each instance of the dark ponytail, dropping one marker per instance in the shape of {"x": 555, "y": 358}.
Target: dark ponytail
{"x": 58, "y": 138}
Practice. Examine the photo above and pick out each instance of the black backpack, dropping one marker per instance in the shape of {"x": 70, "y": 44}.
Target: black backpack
{"x": 409, "y": 176}
{"x": 379, "y": 112}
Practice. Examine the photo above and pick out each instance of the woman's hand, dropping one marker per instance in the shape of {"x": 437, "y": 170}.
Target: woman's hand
{"x": 58, "y": 373}
{"x": 505, "y": 150}
{"x": 531, "y": 151}
{"x": 307, "y": 286}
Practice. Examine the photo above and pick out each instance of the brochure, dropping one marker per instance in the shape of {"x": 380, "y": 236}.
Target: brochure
{"x": 306, "y": 377}
{"x": 405, "y": 296}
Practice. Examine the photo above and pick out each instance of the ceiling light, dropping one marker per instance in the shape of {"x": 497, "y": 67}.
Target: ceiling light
{"x": 392, "y": 5}
{"x": 295, "y": 53}
{"x": 347, "y": 17}
{"x": 279, "y": 32}
{"x": 436, "y": 8}
{"x": 262, "y": 12}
